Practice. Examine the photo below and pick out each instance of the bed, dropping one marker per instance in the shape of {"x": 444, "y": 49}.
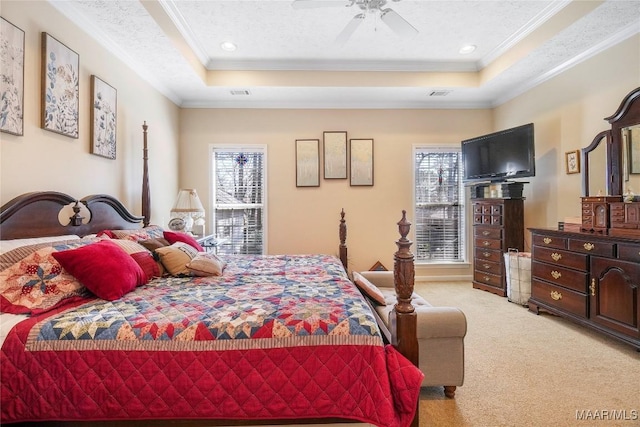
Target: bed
{"x": 275, "y": 339}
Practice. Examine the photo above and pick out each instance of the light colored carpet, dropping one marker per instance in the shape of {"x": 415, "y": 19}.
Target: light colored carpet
{"x": 523, "y": 369}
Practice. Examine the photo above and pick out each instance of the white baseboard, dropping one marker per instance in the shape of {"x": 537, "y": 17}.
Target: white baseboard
{"x": 447, "y": 278}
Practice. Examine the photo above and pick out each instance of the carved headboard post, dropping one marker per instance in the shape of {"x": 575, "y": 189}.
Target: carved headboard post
{"x": 343, "y": 240}
{"x": 404, "y": 335}
{"x": 146, "y": 197}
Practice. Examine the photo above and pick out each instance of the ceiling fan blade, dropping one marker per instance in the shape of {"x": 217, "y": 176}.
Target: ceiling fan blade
{"x": 351, "y": 27}
{"x": 313, "y": 4}
{"x": 397, "y": 23}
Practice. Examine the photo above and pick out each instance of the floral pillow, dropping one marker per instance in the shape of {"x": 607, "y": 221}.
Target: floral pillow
{"x": 36, "y": 284}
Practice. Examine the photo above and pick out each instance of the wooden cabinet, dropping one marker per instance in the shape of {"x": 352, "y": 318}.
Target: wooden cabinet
{"x": 590, "y": 279}
{"x": 625, "y": 219}
{"x": 498, "y": 225}
{"x": 595, "y": 213}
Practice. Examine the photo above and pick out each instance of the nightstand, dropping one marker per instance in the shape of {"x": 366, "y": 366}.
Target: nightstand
{"x": 209, "y": 242}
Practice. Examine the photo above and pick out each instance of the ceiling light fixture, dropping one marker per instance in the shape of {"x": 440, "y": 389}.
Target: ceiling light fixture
{"x": 466, "y": 49}
{"x": 228, "y": 46}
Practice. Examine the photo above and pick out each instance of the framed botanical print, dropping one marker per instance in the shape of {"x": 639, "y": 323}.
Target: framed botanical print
{"x": 103, "y": 118}
{"x": 572, "y": 160}
{"x": 335, "y": 155}
{"x": 361, "y": 162}
{"x": 307, "y": 163}
{"x": 11, "y": 78}
{"x": 60, "y": 91}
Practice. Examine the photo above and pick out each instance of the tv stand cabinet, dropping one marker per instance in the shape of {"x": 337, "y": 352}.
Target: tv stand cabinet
{"x": 593, "y": 280}
{"x": 498, "y": 225}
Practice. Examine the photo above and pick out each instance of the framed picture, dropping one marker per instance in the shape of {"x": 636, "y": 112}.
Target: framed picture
{"x": 307, "y": 162}
{"x": 335, "y": 155}
{"x": 572, "y": 161}
{"x": 103, "y": 118}
{"x": 361, "y": 162}
{"x": 60, "y": 91}
{"x": 12, "y": 78}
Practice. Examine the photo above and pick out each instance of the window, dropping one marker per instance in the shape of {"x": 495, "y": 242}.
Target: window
{"x": 238, "y": 199}
{"x": 439, "y": 198}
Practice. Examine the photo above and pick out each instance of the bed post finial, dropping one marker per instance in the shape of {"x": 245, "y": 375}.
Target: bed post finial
{"x": 146, "y": 197}
{"x": 343, "y": 240}
{"x": 403, "y": 268}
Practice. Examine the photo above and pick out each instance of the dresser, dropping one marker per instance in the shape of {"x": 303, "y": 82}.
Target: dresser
{"x": 498, "y": 225}
{"x": 593, "y": 280}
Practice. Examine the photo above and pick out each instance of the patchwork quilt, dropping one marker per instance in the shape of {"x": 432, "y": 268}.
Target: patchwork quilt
{"x": 274, "y": 337}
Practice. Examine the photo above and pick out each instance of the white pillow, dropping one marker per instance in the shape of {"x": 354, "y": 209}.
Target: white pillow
{"x": 8, "y": 245}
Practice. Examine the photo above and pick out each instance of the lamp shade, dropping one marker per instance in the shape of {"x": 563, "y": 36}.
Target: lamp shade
{"x": 188, "y": 202}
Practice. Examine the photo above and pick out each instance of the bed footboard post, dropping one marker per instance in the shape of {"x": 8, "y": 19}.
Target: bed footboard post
{"x": 405, "y": 333}
{"x": 146, "y": 197}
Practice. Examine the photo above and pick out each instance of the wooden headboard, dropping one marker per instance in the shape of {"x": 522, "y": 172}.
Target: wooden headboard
{"x": 36, "y": 215}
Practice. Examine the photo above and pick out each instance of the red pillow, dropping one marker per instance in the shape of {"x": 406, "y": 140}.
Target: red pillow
{"x": 184, "y": 238}
{"x": 103, "y": 268}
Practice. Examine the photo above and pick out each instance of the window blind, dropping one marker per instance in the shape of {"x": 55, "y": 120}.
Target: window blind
{"x": 239, "y": 200}
{"x": 439, "y": 210}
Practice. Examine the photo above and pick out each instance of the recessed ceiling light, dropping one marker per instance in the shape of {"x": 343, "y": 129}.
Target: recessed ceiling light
{"x": 228, "y": 46}
{"x": 468, "y": 48}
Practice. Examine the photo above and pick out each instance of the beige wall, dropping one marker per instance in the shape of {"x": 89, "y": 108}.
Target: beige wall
{"x": 43, "y": 160}
{"x": 567, "y": 112}
{"x": 303, "y": 220}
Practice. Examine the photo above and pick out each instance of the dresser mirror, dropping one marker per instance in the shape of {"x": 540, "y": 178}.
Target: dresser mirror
{"x": 611, "y": 163}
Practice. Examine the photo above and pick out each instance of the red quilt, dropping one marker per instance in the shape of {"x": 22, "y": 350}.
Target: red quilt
{"x": 292, "y": 342}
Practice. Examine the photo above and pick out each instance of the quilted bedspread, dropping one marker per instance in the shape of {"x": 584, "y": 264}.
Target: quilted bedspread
{"x": 274, "y": 337}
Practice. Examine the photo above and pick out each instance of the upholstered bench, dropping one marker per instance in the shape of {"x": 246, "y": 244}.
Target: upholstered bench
{"x": 441, "y": 332}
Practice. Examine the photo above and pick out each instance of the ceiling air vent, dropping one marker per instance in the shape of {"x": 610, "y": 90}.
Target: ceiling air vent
{"x": 439, "y": 93}
{"x": 240, "y": 92}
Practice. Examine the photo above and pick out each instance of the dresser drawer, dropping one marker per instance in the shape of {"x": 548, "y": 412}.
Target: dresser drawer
{"x": 488, "y": 278}
{"x": 591, "y": 247}
{"x": 573, "y": 279}
{"x": 561, "y": 258}
{"x": 549, "y": 241}
{"x": 481, "y": 242}
{"x": 488, "y": 232}
{"x": 488, "y": 266}
{"x": 483, "y": 254}
{"x": 561, "y": 298}
{"x": 629, "y": 252}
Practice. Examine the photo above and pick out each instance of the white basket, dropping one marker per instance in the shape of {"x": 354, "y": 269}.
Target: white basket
{"x": 518, "y": 268}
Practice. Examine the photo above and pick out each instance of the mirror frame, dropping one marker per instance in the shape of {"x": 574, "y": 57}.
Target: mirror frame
{"x": 628, "y": 114}
{"x": 602, "y": 136}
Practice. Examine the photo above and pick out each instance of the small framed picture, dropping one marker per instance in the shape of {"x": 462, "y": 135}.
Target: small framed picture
{"x": 335, "y": 155}
{"x": 361, "y": 162}
{"x": 103, "y": 118}
{"x": 307, "y": 162}
{"x": 572, "y": 161}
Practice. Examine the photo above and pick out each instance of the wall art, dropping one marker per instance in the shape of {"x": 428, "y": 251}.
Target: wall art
{"x": 103, "y": 118}
{"x": 307, "y": 162}
{"x": 361, "y": 162}
{"x": 572, "y": 160}
{"x": 335, "y": 155}
{"x": 11, "y": 78}
{"x": 60, "y": 91}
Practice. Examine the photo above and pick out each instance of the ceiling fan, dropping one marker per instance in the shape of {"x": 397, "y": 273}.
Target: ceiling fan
{"x": 389, "y": 16}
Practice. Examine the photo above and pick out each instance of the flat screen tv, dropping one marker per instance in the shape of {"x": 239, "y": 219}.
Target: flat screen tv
{"x": 500, "y": 156}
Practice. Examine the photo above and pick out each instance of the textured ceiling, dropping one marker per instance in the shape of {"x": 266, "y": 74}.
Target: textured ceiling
{"x": 288, "y": 58}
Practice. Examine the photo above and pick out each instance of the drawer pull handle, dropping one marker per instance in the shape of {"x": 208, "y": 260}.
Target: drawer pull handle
{"x": 486, "y": 266}
{"x": 589, "y": 246}
{"x": 487, "y": 278}
{"x": 556, "y": 274}
{"x": 547, "y": 240}
{"x": 485, "y": 233}
{"x": 486, "y": 243}
{"x": 556, "y": 256}
{"x": 556, "y": 296}
{"x": 486, "y": 254}
{"x": 592, "y": 288}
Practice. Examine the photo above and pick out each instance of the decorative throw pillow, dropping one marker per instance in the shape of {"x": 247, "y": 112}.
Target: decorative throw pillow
{"x": 368, "y": 288}
{"x": 140, "y": 255}
{"x": 105, "y": 269}
{"x": 206, "y": 264}
{"x": 155, "y": 243}
{"x": 176, "y": 257}
{"x": 37, "y": 283}
{"x": 173, "y": 237}
{"x": 150, "y": 232}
